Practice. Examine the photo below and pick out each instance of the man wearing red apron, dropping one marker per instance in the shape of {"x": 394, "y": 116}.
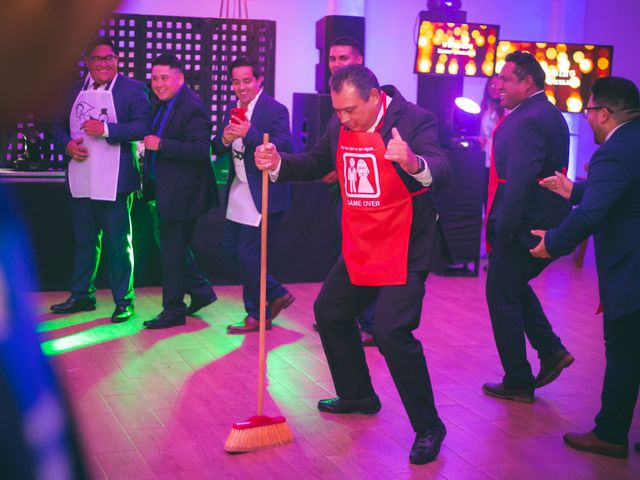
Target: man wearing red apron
{"x": 386, "y": 154}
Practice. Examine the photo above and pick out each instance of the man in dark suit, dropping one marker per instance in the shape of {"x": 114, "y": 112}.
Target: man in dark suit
{"x": 178, "y": 168}
{"x": 254, "y": 114}
{"x": 609, "y": 209}
{"x": 531, "y": 142}
{"x": 391, "y": 242}
{"x": 104, "y": 115}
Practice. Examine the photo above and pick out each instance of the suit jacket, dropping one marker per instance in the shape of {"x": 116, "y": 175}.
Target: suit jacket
{"x": 531, "y": 143}
{"x": 269, "y": 116}
{"x": 132, "y": 106}
{"x": 185, "y": 183}
{"x": 428, "y": 250}
{"x": 610, "y": 210}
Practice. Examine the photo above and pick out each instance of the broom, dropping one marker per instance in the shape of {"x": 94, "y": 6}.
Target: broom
{"x": 260, "y": 431}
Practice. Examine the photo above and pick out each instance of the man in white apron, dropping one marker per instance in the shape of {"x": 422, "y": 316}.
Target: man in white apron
{"x": 105, "y": 114}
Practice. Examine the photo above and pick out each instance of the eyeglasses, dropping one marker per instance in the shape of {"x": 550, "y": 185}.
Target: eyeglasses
{"x": 585, "y": 111}
{"x": 107, "y": 59}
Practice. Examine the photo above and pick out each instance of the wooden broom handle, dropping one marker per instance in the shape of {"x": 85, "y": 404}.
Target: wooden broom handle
{"x": 262, "y": 371}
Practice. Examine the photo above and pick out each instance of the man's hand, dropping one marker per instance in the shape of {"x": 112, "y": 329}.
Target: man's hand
{"x": 398, "y": 151}
{"x": 558, "y": 183}
{"x": 234, "y": 131}
{"x": 152, "y": 143}
{"x": 540, "y": 251}
{"x": 92, "y": 127}
{"x": 76, "y": 151}
{"x": 331, "y": 177}
{"x": 267, "y": 157}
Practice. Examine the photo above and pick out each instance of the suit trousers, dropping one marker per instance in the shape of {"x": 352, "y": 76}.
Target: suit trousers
{"x": 397, "y": 314}
{"x": 621, "y": 378}
{"x": 242, "y": 243}
{"x": 515, "y": 311}
{"x": 176, "y": 236}
{"x": 92, "y": 218}
{"x": 366, "y": 318}
{"x": 197, "y": 284}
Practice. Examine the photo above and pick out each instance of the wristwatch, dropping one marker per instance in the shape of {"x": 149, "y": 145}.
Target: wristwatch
{"x": 422, "y": 166}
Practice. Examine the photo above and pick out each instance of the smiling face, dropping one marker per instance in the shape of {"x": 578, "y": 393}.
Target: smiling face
{"x": 102, "y": 63}
{"x": 341, "y": 55}
{"x": 166, "y": 81}
{"x": 513, "y": 91}
{"x": 245, "y": 85}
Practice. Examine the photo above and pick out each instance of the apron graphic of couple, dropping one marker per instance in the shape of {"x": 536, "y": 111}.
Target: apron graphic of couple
{"x": 358, "y": 177}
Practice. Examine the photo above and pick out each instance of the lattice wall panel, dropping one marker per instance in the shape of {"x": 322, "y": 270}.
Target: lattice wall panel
{"x": 205, "y": 46}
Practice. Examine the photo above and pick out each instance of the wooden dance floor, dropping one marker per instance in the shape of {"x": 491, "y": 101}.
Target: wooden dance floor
{"x": 160, "y": 404}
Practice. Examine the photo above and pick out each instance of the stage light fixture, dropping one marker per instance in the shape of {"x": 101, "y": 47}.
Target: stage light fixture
{"x": 444, "y": 4}
{"x": 467, "y": 105}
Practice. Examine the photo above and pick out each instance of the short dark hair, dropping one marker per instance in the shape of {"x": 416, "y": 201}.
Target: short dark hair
{"x": 526, "y": 64}
{"x": 245, "y": 62}
{"x": 169, "y": 60}
{"x": 617, "y": 93}
{"x": 348, "y": 42}
{"x": 96, "y": 42}
{"x": 359, "y": 76}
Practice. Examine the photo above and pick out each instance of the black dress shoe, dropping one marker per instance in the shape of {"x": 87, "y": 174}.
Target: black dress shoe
{"x": 165, "y": 321}
{"x": 551, "y": 366}
{"x": 73, "y": 305}
{"x": 198, "y": 302}
{"x": 367, "y": 406}
{"x": 500, "y": 391}
{"x": 122, "y": 313}
{"x": 427, "y": 445}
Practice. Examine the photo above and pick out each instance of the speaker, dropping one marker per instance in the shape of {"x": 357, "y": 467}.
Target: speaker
{"x": 327, "y": 30}
{"x": 311, "y": 113}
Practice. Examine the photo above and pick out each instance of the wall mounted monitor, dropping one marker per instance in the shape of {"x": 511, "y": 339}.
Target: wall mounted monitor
{"x": 446, "y": 48}
{"x": 571, "y": 69}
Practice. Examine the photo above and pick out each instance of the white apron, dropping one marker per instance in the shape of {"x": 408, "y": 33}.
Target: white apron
{"x": 97, "y": 177}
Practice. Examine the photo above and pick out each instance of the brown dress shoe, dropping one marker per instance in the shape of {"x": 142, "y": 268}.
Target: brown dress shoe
{"x": 589, "y": 442}
{"x": 280, "y": 303}
{"x": 551, "y": 366}
{"x": 248, "y": 325}
{"x": 500, "y": 391}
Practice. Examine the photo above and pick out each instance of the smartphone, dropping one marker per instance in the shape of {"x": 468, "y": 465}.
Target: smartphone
{"x": 239, "y": 113}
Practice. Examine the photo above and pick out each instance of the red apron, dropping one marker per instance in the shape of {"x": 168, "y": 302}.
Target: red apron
{"x": 376, "y": 213}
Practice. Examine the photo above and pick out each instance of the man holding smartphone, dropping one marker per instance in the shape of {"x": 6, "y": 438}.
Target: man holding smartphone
{"x": 254, "y": 114}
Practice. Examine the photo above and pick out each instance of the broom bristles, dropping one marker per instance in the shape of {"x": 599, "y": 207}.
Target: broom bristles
{"x": 258, "y": 432}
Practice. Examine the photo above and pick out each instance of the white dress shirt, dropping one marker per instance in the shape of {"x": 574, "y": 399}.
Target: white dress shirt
{"x": 241, "y": 207}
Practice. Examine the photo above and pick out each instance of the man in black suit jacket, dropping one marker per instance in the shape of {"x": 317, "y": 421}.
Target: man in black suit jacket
{"x": 240, "y": 137}
{"x": 532, "y": 142}
{"x": 364, "y": 108}
{"x": 179, "y": 164}
{"x": 609, "y": 208}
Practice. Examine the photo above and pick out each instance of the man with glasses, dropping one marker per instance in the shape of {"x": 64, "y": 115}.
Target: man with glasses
{"x": 104, "y": 115}
{"x": 608, "y": 208}
{"x": 532, "y": 142}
